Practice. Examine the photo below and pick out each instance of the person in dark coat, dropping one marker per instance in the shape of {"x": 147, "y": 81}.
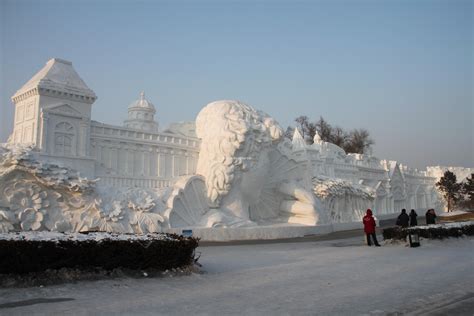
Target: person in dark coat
{"x": 430, "y": 217}
{"x": 413, "y": 216}
{"x": 369, "y": 228}
{"x": 403, "y": 219}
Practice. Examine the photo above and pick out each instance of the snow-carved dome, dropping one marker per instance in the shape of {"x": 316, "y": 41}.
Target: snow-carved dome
{"x": 142, "y": 103}
{"x": 141, "y": 115}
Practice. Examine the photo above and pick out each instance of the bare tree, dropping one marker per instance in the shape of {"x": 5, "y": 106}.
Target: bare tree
{"x": 307, "y": 128}
{"x": 359, "y": 141}
{"x": 324, "y": 129}
{"x": 289, "y": 132}
{"x": 311, "y": 131}
{"x": 302, "y": 124}
{"x": 339, "y": 137}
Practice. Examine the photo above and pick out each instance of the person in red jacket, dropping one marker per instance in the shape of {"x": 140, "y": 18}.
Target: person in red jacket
{"x": 369, "y": 228}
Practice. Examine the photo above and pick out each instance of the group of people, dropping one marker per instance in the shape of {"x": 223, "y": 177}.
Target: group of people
{"x": 403, "y": 220}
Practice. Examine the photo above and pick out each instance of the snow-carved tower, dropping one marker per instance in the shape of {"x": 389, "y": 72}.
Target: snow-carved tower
{"x": 141, "y": 115}
{"x": 53, "y": 111}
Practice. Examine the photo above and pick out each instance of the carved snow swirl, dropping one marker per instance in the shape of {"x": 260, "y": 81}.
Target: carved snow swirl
{"x": 30, "y": 219}
{"x": 6, "y": 220}
{"x": 24, "y": 195}
{"x": 142, "y": 218}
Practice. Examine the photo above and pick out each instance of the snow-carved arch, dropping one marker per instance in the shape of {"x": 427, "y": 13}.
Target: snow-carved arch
{"x": 421, "y": 197}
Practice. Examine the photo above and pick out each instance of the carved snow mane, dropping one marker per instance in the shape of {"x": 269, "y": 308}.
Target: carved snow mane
{"x": 233, "y": 134}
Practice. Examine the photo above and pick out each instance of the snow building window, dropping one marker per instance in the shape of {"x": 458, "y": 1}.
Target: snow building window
{"x": 63, "y": 138}
{"x": 29, "y": 111}
{"x": 20, "y": 114}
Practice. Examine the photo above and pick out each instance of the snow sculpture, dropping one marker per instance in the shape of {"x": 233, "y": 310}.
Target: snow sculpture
{"x": 343, "y": 200}
{"x": 238, "y": 160}
{"x": 241, "y": 172}
{"x": 247, "y": 175}
{"x": 188, "y": 204}
{"x": 36, "y": 195}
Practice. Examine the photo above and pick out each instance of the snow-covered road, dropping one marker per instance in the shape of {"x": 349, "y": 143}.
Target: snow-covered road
{"x": 302, "y": 278}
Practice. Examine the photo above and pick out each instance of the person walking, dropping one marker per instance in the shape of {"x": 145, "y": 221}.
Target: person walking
{"x": 430, "y": 217}
{"x": 403, "y": 219}
{"x": 413, "y": 216}
{"x": 369, "y": 228}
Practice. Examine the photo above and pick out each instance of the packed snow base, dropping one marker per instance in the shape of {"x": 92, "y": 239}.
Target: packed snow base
{"x": 335, "y": 277}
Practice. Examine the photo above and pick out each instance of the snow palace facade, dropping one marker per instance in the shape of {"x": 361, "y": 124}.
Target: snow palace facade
{"x": 231, "y": 168}
{"x": 53, "y": 112}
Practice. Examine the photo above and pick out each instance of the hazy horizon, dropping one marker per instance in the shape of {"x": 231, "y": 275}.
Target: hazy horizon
{"x": 400, "y": 69}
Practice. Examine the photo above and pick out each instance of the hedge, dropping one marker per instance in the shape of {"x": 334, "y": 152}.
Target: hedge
{"x": 431, "y": 232}
{"x": 29, "y": 252}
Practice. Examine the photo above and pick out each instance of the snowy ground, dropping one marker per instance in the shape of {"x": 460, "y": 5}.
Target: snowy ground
{"x": 330, "y": 277}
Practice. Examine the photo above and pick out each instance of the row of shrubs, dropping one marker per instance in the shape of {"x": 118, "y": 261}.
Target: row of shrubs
{"x": 163, "y": 252}
{"x": 435, "y": 232}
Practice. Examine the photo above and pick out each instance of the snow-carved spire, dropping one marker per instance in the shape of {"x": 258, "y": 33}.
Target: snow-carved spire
{"x": 317, "y": 139}
{"x": 298, "y": 141}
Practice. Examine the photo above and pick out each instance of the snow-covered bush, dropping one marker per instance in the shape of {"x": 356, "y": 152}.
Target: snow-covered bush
{"x": 439, "y": 231}
{"x": 38, "y": 251}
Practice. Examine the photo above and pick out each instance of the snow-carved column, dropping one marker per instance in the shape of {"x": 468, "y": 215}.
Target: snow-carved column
{"x": 83, "y": 137}
{"x": 172, "y": 156}
{"x": 158, "y": 163}
{"x": 44, "y": 131}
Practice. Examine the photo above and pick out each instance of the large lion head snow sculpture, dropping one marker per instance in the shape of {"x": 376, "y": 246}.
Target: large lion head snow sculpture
{"x": 235, "y": 140}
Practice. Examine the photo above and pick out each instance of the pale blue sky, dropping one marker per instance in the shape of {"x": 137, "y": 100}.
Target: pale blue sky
{"x": 401, "y": 69}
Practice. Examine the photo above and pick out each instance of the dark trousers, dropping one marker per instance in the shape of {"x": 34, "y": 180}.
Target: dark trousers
{"x": 374, "y": 237}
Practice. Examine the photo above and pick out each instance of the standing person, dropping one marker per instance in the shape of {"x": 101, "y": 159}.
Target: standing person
{"x": 413, "y": 216}
{"x": 433, "y": 215}
{"x": 403, "y": 219}
{"x": 369, "y": 228}
{"x": 430, "y": 217}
